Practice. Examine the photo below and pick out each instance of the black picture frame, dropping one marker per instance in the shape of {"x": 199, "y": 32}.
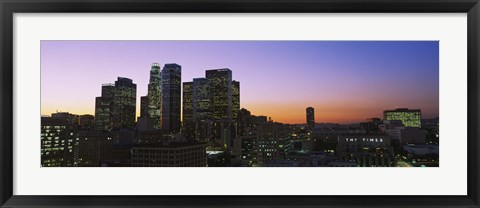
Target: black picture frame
{"x": 9, "y": 7}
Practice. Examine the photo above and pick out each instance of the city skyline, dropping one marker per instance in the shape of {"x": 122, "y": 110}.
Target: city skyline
{"x": 345, "y": 81}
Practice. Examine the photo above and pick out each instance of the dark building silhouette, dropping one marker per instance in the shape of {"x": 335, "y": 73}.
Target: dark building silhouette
{"x": 174, "y": 154}
{"x": 71, "y": 118}
{"x": 171, "y": 98}
{"x": 86, "y": 122}
{"x": 144, "y": 106}
{"x": 310, "y": 118}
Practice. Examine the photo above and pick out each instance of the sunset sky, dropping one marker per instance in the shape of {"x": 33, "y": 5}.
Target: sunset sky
{"x": 345, "y": 81}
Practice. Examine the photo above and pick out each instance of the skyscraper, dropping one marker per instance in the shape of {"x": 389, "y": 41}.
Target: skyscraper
{"x": 155, "y": 95}
{"x": 409, "y": 117}
{"x": 116, "y": 108}
{"x": 310, "y": 118}
{"x": 187, "y": 114}
{"x": 220, "y": 83}
{"x": 235, "y": 99}
{"x": 124, "y": 103}
{"x": 104, "y": 108}
{"x": 171, "y": 98}
{"x": 220, "y": 87}
{"x": 202, "y": 109}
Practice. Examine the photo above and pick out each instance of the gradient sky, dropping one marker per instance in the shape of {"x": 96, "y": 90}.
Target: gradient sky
{"x": 345, "y": 81}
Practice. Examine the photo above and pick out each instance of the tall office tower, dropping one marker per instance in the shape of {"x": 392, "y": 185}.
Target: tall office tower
{"x": 171, "y": 98}
{"x": 155, "y": 95}
{"x": 144, "y": 106}
{"x": 235, "y": 99}
{"x": 202, "y": 109}
{"x": 220, "y": 81}
{"x": 220, "y": 84}
{"x": 124, "y": 103}
{"x": 104, "y": 108}
{"x": 187, "y": 114}
{"x": 409, "y": 117}
{"x": 310, "y": 118}
{"x": 116, "y": 108}
{"x": 57, "y": 142}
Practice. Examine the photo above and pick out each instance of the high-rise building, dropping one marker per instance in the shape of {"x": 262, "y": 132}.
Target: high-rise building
{"x": 187, "y": 114}
{"x": 409, "y": 117}
{"x": 57, "y": 142}
{"x": 220, "y": 83}
{"x": 310, "y": 118}
{"x": 104, "y": 108}
{"x": 202, "y": 109}
{"x": 155, "y": 95}
{"x": 116, "y": 107}
{"x": 235, "y": 98}
{"x": 171, "y": 98}
{"x": 211, "y": 106}
{"x": 124, "y": 103}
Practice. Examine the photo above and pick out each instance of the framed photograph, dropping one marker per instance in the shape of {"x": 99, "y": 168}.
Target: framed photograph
{"x": 265, "y": 103}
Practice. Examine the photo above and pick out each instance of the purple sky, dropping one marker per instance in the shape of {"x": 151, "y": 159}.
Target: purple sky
{"x": 345, "y": 81}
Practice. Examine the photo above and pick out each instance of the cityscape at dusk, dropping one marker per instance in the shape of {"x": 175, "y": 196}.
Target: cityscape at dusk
{"x": 240, "y": 103}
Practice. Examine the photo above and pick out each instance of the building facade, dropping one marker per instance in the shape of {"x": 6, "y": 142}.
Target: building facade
{"x": 124, "y": 103}
{"x": 116, "y": 107}
{"x": 409, "y": 117}
{"x": 182, "y": 154}
{"x": 57, "y": 142}
{"x": 171, "y": 98}
{"x": 366, "y": 150}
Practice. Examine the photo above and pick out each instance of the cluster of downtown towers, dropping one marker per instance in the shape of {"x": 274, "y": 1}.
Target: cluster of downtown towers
{"x": 211, "y": 130}
{"x": 210, "y": 105}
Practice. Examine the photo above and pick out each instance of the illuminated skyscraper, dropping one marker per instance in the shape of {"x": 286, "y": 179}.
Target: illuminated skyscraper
{"x": 116, "y": 108}
{"x": 220, "y": 87}
{"x": 104, "y": 108}
{"x": 202, "y": 109}
{"x": 220, "y": 82}
{"x": 235, "y": 99}
{"x": 155, "y": 95}
{"x": 187, "y": 114}
{"x": 171, "y": 98}
{"x": 124, "y": 103}
{"x": 409, "y": 118}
